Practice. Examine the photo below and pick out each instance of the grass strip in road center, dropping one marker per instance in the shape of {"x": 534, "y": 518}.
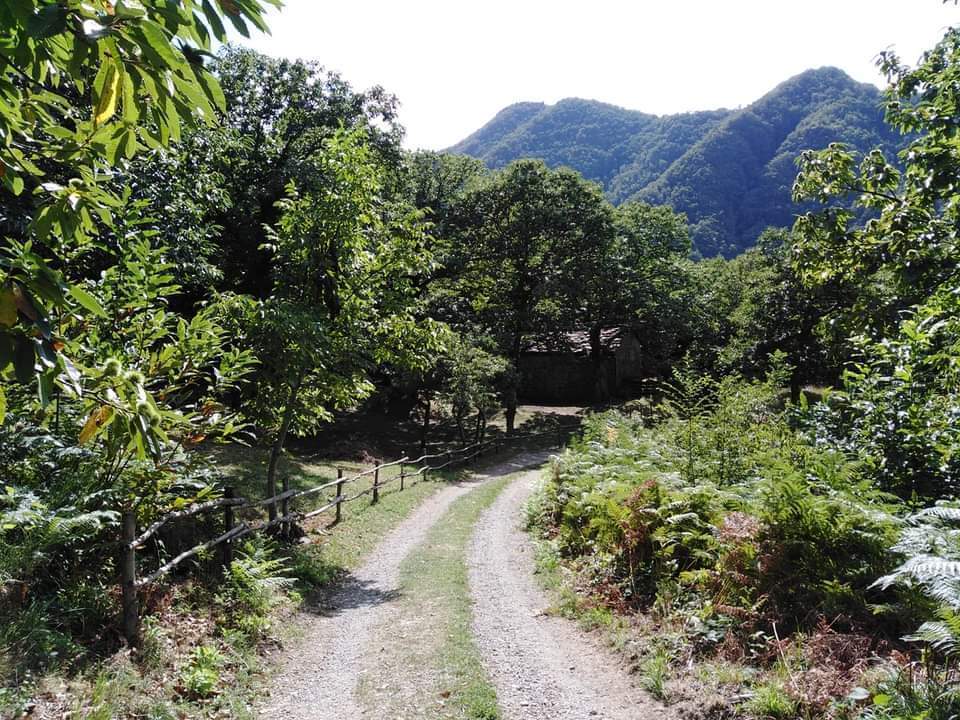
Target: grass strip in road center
{"x": 426, "y": 663}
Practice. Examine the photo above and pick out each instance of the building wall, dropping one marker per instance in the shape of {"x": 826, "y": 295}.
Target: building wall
{"x": 629, "y": 360}
{"x": 560, "y": 378}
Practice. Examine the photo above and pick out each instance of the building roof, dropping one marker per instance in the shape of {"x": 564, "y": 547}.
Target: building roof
{"x": 576, "y": 342}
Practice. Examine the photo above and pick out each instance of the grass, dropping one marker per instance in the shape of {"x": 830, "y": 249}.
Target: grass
{"x": 170, "y": 677}
{"x": 436, "y": 612}
{"x": 363, "y": 527}
{"x": 770, "y": 700}
{"x": 567, "y": 602}
{"x": 247, "y": 468}
{"x": 656, "y": 674}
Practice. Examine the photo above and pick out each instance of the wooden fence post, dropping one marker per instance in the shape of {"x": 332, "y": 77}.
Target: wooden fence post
{"x": 285, "y": 508}
{"x": 376, "y": 486}
{"x": 128, "y": 570}
{"x": 402, "y": 476}
{"x": 339, "y": 494}
{"x": 226, "y": 550}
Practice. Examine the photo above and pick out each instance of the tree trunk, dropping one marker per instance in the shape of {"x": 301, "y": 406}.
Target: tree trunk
{"x": 601, "y": 390}
{"x": 510, "y": 396}
{"x": 277, "y": 449}
{"x": 425, "y": 427}
{"x": 796, "y": 386}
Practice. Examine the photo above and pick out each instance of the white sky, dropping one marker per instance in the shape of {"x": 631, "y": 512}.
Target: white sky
{"x": 453, "y": 65}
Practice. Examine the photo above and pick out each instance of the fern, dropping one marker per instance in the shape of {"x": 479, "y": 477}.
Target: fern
{"x": 31, "y": 534}
{"x": 941, "y": 512}
{"x": 942, "y": 635}
{"x": 925, "y": 570}
{"x": 931, "y": 547}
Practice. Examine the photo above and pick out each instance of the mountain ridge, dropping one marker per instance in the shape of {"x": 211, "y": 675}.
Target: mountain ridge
{"x": 730, "y": 171}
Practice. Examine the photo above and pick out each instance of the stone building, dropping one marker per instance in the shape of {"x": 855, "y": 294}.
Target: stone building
{"x": 559, "y": 369}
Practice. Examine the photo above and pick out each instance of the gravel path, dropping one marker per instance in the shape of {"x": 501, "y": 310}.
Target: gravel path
{"x": 318, "y": 673}
{"x": 544, "y": 668}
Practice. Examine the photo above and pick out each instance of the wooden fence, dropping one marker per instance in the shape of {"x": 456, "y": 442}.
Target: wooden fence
{"x": 283, "y": 513}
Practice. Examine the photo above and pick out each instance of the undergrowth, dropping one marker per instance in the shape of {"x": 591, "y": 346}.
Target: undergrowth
{"x": 203, "y": 633}
{"x": 731, "y": 539}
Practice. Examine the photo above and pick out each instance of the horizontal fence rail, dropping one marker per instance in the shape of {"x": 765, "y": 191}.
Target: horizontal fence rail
{"x": 410, "y": 468}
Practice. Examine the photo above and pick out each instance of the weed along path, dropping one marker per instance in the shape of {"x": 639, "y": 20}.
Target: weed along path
{"x": 543, "y": 668}
{"x": 342, "y": 644}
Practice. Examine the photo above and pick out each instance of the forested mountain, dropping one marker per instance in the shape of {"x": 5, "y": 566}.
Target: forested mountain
{"x": 730, "y": 171}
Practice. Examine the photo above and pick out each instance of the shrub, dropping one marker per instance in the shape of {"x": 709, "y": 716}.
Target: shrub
{"x": 916, "y": 692}
{"x": 201, "y": 676}
{"x": 253, "y": 586}
{"x": 723, "y": 500}
{"x": 820, "y": 549}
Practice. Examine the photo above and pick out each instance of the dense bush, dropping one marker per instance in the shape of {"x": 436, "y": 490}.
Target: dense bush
{"x": 722, "y": 500}
{"x": 55, "y": 522}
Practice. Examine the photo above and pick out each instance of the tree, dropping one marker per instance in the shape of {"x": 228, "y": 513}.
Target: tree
{"x": 909, "y": 245}
{"x": 471, "y": 379}
{"x": 150, "y": 383}
{"x": 902, "y": 392}
{"x": 529, "y": 235}
{"x": 83, "y": 85}
{"x": 278, "y": 115}
{"x": 774, "y": 311}
{"x": 435, "y": 183}
{"x": 344, "y": 264}
{"x": 636, "y": 281}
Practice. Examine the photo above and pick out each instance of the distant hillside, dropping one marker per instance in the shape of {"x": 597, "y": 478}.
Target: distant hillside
{"x": 730, "y": 171}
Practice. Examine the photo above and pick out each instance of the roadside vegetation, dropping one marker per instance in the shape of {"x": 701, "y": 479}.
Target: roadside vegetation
{"x": 205, "y": 633}
{"x": 794, "y": 554}
{"x": 729, "y": 557}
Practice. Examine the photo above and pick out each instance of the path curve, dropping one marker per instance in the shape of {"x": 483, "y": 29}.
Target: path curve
{"x": 317, "y": 675}
{"x": 543, "y": 668}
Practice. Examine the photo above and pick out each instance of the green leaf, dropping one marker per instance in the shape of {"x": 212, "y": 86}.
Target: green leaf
{"x": 22, "y": 8}
{"x": 212, "y": 88}
{"x": 213, "y": 19}
{"x": 70, "y": 378}
{"x": 51, "y": 20}
{"x": 130, "y": 144}
{"x": 881, "y": 700}
{"x": 8, "y": 308}
{"x": 3, "y": 406}
{"x": 128, "y": 9}
{"x": 130, "y": 110}
{"x": 86, "y": 300}
{"x": 158, "y": 44}
{"x": 45, "y": 388}
{"x": 46, "y": 354}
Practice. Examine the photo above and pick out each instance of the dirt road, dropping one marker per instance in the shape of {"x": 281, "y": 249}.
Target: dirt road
{"x": 318, "y": 674}
{"x": 541, "y": 667}
{"x": 544, "y": 668}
